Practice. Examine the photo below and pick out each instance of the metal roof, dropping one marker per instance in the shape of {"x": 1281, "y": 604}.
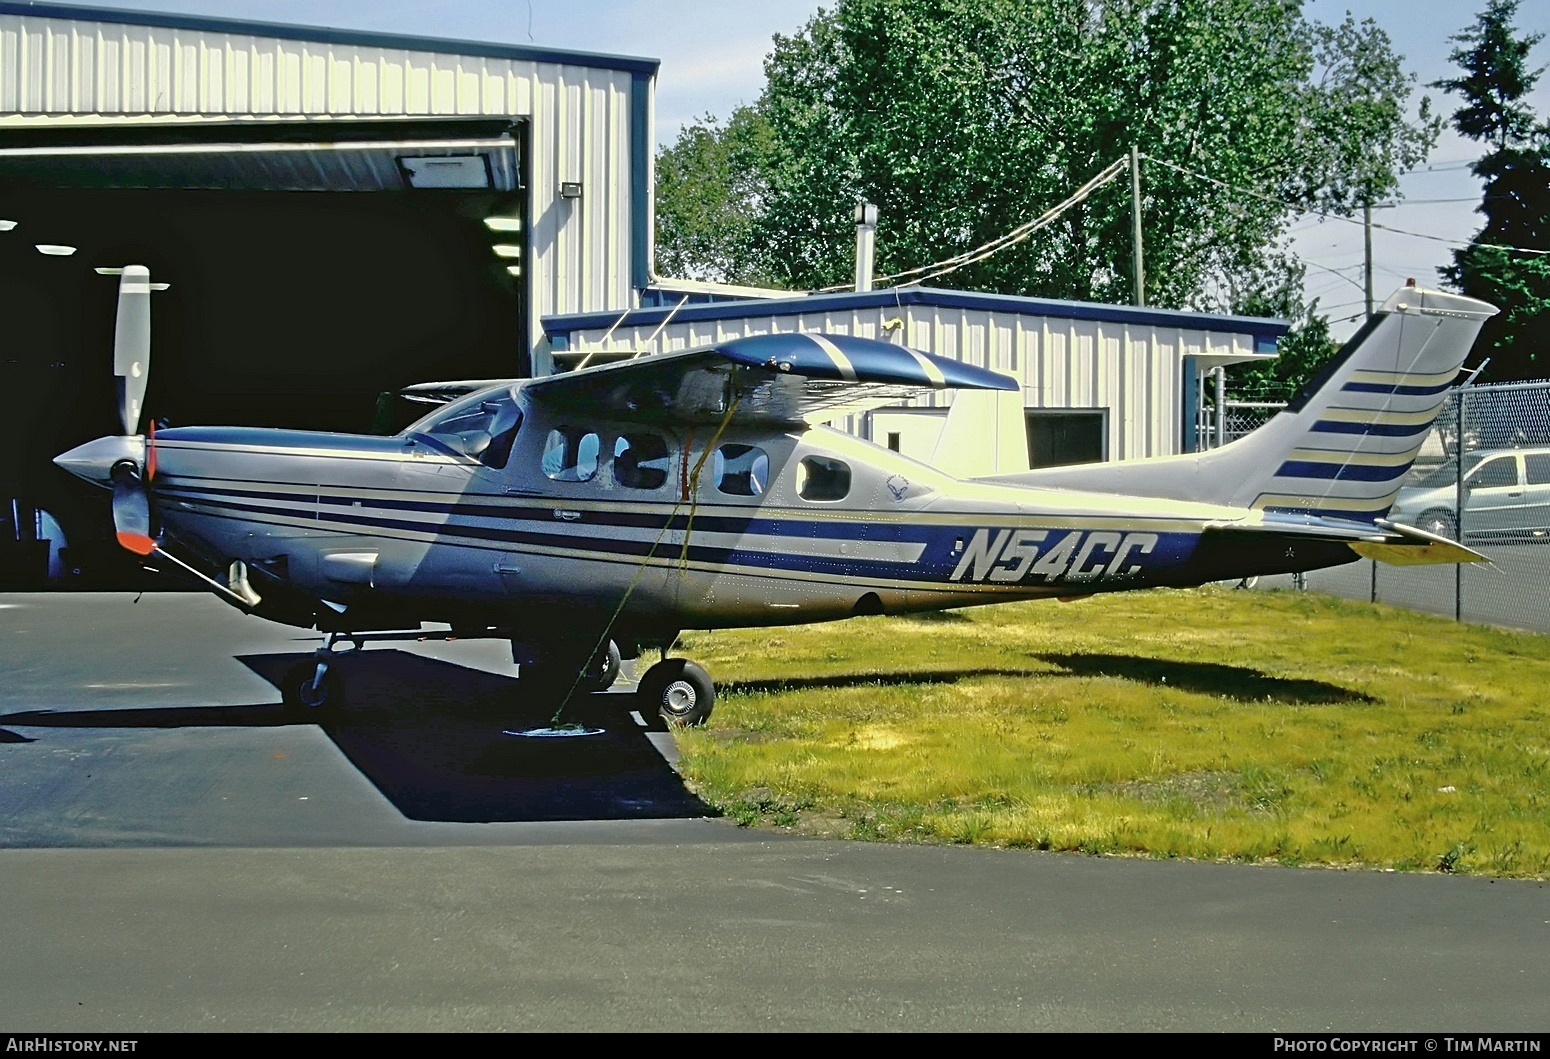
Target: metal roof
{"x": 331, "y": 35}
{"x": 1262, "y": 328}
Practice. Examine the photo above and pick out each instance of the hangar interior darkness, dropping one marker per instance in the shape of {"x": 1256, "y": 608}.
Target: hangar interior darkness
{"x": 306, "y": 279}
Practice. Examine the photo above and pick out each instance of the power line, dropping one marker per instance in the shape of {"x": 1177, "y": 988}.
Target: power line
{"x": 1001, "y": 242}
{"x": 1337, "y": 217}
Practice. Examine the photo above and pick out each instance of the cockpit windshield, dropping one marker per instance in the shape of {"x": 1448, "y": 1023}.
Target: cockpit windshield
{"x": 483, "y": 425}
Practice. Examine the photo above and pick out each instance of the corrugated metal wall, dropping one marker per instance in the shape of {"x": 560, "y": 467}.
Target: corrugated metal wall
{"x": 1135, "y": 371}
{"x": 57, "y": 71}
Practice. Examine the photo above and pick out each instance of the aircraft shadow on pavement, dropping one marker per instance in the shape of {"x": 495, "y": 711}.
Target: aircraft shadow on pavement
{"x": 430, "y": 736}
{"x": 1207, "y": 678}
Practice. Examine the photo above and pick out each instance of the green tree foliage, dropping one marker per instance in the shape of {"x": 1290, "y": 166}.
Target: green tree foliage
{"x": 706, "y": 189}
{"x": 1301, "y": 351}
{"x": 1515, "y": 172}
{"x": 963, "y": 119}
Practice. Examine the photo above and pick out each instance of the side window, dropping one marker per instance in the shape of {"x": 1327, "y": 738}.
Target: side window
{"x": 504, "y": 425}
{"x": 822, "y": 478}
{"x": 1498, "y": 472}
{"x": 640, "y": 461}
{"x": 741, "y": 470}
{"x": 1538, "y": 467}
{"x": 570, "y": 454}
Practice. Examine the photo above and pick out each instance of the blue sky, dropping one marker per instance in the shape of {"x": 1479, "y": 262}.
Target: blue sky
{"x": 712, "y": 51}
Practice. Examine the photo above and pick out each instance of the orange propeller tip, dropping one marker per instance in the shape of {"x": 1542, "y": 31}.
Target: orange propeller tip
{"x": 138, "y": 543}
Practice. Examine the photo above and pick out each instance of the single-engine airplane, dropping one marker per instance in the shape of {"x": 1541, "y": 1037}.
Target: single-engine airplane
{"x": 595, "y": 514}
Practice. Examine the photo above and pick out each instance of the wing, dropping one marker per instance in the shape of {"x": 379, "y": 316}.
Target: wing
{"x": 774, "y": 380}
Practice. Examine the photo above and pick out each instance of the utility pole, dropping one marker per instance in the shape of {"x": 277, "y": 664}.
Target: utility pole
{"x": 1367, "y": 249}
{"x": 1135, "y": 226}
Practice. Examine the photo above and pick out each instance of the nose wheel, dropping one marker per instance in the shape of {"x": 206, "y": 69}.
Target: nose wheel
{"x": 678, "y": 691}
{"x": 311, "y": 689}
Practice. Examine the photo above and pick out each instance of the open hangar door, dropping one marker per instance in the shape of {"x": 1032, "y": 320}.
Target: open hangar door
{"x": 313, "y": 268}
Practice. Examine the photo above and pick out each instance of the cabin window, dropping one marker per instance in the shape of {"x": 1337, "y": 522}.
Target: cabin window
{"x": 741, "y": 470}
{"x": 641, "y": 461}
{"x": 822, "y": 478}
{"x": 505, "y": 421}
{"x": 570, "y": 454}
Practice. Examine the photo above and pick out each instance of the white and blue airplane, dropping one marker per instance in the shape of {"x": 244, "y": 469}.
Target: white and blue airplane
{"x": 598, "y": 513}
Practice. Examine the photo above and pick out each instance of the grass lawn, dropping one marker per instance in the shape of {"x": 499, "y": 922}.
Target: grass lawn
{"x": 1209, "y": 723}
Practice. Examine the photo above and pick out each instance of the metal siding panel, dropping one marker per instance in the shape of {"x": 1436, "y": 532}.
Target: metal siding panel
{"x": 417, "y": 87}
{"x": 443, "y": 85}
{"x": 58, "y": 73}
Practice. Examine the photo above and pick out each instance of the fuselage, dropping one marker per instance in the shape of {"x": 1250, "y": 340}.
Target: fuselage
{"x": 671, "y": 528}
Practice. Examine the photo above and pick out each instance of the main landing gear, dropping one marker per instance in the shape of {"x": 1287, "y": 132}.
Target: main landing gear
{"x": 678, "y": 691}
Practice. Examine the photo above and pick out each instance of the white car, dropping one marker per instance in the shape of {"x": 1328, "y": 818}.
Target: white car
{"x": 1506, "y": 492}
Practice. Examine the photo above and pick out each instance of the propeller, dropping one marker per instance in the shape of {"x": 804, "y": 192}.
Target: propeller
{"x": 131, "y": 366}
{"x": 131, "y": 509}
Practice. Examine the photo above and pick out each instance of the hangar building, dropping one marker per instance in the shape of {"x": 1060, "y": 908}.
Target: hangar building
{"x": 341, "y": 214}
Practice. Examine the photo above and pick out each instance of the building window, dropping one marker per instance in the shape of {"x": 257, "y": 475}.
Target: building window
{"x": 640, "y": 461}
{"x": 821, "y": 478}
{"x": 741, "y": 470}
{"x": 570, "y": 454}
{"x": 1060, "y": 437}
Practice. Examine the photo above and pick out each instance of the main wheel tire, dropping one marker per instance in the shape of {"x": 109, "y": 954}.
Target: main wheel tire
{"x": 306, "y": 696}
{"x": 1441, "y": 522}
{"x": 603, "y": 670}
{"x": 678, "y": 691}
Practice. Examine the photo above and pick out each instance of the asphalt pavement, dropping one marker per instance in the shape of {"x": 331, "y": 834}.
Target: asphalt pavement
{"x": 177, "y": 852}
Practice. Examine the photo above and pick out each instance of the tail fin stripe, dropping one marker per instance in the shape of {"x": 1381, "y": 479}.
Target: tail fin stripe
{"x": 1348, "y": 472}
{"x": 1387, "y": 430}
{"x": 1401, "y": 391}
{"x": 1338, "y": 457}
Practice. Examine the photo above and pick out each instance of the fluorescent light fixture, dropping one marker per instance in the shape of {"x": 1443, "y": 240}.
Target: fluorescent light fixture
{"x": 507, "y": 250}
{"x": 503, "y": 224}
{"x": 6, "y": 226}
{"x": 515, "y": 270}
{"x": 446, "y": 171}
{"x": 54, "y": 249}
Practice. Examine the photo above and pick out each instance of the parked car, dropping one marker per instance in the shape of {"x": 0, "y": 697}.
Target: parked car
{"x": 1506, "y": 492}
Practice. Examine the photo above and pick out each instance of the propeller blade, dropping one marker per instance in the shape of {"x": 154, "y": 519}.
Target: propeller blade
{"x": 131, "y": 510}
{"x": 132, "y": 341}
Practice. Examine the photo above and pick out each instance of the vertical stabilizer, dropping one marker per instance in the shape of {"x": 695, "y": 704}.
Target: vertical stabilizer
{"x": 1342, "y": 447}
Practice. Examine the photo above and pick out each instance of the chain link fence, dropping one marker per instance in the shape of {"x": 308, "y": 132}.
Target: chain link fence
{"x": 1483, "y": 478}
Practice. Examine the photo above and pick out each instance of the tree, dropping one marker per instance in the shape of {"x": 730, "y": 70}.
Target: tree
{"x": 1301, "y": 352}
{"x": 1501, "y": 265}
{"x": 964, "y": 119}
{"x": 704, "y": 198}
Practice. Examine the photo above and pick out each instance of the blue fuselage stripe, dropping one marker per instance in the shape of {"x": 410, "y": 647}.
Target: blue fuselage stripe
{"x": 942, "y": 546}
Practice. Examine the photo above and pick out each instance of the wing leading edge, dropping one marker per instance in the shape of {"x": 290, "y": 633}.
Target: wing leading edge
{"x": 775, "y": 380}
